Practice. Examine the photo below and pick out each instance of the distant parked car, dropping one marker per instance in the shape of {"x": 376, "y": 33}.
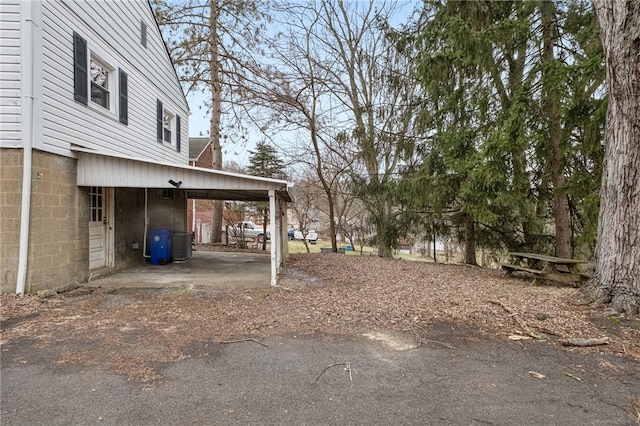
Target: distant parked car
{"x": 311, "y": 237}
{"x": 296, "y": 234}
{"x": 248, "y": 231}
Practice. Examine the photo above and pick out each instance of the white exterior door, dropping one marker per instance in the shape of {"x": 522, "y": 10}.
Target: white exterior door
{"x": 99, "y": 229}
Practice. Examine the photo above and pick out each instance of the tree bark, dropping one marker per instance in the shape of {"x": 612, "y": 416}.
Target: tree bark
{"x": 551, "y": 102}
{"x": 617, "y": 256}
{"x": 328, "y": 188}
{"x": 216, "y": 113}
{"x": 469, "y": 240}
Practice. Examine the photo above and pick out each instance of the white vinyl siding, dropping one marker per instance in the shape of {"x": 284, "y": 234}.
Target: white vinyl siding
{"x": 112, "y": 32}
{"x": 10, "y": 95}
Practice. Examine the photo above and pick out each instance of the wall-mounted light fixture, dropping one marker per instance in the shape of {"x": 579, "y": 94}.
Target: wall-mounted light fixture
{"x": 174, "y": 183}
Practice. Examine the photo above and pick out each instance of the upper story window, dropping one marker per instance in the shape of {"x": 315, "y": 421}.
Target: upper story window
{"x": 168, "y": 126}
{"x": 96, "y": 82}
{"x": 101, "y": 74}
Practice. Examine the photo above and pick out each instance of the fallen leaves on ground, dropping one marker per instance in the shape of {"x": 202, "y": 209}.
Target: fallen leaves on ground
{"x": 330, "y": 294}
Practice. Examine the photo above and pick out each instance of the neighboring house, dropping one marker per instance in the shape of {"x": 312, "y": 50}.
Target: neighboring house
{"x": 200, "y": 211}
{"x": 94, "y": 149}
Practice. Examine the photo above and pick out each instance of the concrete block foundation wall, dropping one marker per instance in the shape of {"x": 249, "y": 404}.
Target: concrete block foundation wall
{"x": 58, "y": 252}
{"x": 10, "y": 199}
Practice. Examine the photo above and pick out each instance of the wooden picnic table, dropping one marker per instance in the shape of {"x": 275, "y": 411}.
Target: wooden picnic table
{"x": 544, "y": 267}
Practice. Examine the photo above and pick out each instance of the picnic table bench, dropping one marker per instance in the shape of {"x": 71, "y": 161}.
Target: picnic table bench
{"x": 544, "y": 267}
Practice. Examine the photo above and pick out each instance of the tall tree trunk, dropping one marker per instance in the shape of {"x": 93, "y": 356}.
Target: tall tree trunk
{"x": 385, "y": 233}
{"x": 435, "y": 250}
{"x": 617, "y": 266}
{"x": 551, "y": 102}
{"x": 216, "y": 113}
{"x": 469, "y": 240}
{"x": 327, "y": 186}
{"x": 332, "y": 222}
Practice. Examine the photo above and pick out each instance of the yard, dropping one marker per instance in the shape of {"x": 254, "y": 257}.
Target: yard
{"x": 332, "y": 294}
{"x": 456, "y": 310}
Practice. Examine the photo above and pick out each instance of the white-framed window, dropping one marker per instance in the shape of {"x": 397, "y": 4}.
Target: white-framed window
{"x": 96, "y": 206}
{"x": 98, "y": 83}
{"x": 168, "y": 126}
{"x": 102, "y": 82}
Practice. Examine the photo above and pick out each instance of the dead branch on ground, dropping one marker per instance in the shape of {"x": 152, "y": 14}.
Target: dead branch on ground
{"x": 347, "y": 367}
{"x": 583, "y": 343}
{"x": 515, "y": 316}
{"x": 572, "y": 376}
{"x": 423, "y": 340}
{"x": 244, "y": 340}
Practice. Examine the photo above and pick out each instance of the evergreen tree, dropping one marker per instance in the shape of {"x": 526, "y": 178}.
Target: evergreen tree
{"x": 503, "y": 149}
{"x": 265, "y": 162}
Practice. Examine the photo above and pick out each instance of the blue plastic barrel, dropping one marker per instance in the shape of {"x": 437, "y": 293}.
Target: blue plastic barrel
{"x": 160, "y": 246}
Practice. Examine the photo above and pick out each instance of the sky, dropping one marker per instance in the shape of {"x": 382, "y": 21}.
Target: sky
{"x": 239, "y": 152}
{"x": 199, "y": 126}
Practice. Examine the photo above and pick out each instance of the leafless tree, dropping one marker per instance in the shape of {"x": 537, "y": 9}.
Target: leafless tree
{"x": 336, "y": 79}
{"x": 212, "y": 43}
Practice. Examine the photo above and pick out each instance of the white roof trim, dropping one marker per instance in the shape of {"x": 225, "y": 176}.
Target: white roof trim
{"x": 108, "y": 169}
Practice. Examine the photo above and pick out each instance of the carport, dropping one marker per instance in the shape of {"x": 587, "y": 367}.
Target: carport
{"x": 205, "y": 269}
{"x": 118, "y": 171}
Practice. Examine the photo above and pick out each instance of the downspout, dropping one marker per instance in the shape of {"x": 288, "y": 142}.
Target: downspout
{"x": 28, "y": 28}
{"x": 193, "y": 217}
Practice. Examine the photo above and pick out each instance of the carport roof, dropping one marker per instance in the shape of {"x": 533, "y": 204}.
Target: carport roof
{"x": 97, "y": 168}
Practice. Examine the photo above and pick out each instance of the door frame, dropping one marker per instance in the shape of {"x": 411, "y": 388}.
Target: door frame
{"x": 108, "y": 231}
{"x": 109, "y": 240}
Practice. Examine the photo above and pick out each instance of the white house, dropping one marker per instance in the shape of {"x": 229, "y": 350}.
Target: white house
{"x": 94, "y": 148}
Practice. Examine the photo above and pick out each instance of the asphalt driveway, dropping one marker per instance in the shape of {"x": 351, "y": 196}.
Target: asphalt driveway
{"x": 314, "y": 380}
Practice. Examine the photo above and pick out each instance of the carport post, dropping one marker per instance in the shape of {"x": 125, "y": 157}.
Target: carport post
{"x": 275, "y": 237}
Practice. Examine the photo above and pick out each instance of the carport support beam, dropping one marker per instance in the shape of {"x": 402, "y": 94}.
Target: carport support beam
{"x": 275, "y": 237}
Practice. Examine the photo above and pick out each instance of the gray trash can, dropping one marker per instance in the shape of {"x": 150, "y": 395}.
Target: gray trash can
{"x": 181, "y": 244}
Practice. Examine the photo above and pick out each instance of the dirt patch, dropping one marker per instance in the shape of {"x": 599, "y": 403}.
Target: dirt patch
{"x": 135, "y": 333}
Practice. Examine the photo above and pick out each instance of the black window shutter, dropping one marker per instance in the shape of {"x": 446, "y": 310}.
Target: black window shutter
{"x": 178, "y": 133}
{"x": 80, "y": 73}
{"x": 123, "y": 111}
{"x": 159, "y": 125}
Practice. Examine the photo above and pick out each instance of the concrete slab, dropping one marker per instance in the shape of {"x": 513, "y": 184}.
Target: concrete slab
{"x": 212, "y": 269}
